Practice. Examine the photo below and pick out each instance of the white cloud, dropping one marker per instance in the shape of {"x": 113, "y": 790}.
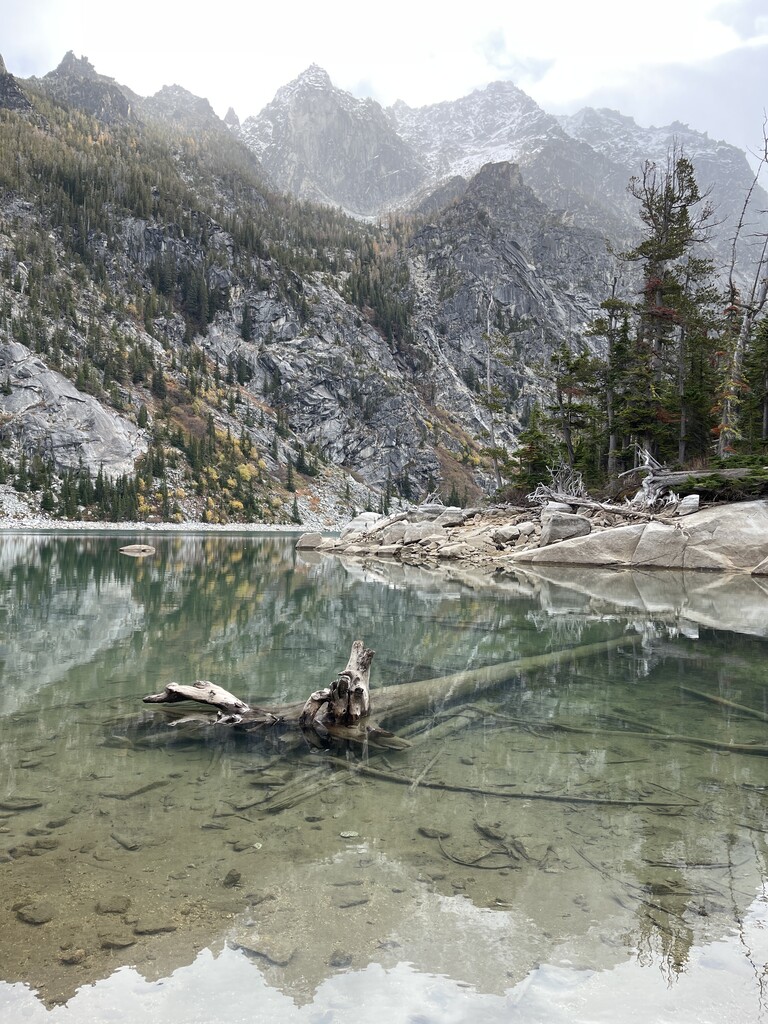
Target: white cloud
{"x": 239, "y": 52}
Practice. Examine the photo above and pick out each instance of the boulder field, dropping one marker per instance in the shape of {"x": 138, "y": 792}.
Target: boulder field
{"x": 730, "y": 538}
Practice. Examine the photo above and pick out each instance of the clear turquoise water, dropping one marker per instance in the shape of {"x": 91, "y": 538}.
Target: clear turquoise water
{"x": 592, "y": 846}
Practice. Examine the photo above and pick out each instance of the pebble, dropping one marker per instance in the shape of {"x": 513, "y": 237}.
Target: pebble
{"x": 72, "y": 957}
{"x": 153, "y": 926}
{"x": 113, "y": 903}
{"x": 116, "y": 940}
{"x": 35, "y": 913}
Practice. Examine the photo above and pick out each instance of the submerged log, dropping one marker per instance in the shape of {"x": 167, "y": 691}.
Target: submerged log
{"x": 393, "y": 703}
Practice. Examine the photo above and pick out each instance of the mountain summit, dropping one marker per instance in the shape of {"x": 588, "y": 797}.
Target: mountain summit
{"x": 321, "y": 143}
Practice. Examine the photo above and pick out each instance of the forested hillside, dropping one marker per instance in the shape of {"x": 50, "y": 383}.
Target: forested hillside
{"x": 181, "y": 338}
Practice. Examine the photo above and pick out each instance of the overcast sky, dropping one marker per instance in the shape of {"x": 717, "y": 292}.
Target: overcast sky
{"x": 703, "y": 62}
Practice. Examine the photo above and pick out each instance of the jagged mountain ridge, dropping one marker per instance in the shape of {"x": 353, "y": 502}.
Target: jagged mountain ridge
{"x": 580, "y": 164}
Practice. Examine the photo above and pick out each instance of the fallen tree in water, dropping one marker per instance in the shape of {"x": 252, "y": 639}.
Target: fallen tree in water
{"x": 342, "y": 709}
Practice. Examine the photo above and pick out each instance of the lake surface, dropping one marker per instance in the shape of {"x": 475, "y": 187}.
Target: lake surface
{"x": 578, "y": 837}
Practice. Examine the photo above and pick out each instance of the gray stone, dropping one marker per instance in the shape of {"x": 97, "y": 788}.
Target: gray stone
{"x": 387, "y": 550}
{"x": 660, "y": 546}
{"x": 309, "y": 542}
{"x": 458, "y": 550}
{"x": 153, "y": 926}
{"x": 113, "y": 903}
{"x": 417, "y": 532}
{"x": 558, "y": 526}
{"x": 688, "y": 505}
{"x": 450, "y": 517}
{"x": 394, "y": 533}
{"x": 116, "y": 940}
{"x": 360, "y": 524}
{"x": 505, "y": 534}
{"x": 730, "y": 538}
{"x": 611, "y": 547}
{"x": 35, "y": 913}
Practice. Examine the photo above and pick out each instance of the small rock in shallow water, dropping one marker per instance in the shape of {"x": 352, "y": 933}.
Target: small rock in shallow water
{"x": 113, "y": 903}
{"x": 19, "y": 803}
{"x": 231, "y": 878}
{"x": 72, "y": 957}
{"x": 116, "y": 940}
{"x": 433, "y": 833}
{"x": 35, "y": 913}
{"x": 154, "y": 926}
{"x": 274, "y": 950}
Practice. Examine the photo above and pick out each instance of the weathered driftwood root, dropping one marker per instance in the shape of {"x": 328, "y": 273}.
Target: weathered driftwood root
{"x": 347, "y": 699}
{"x": 204, "y": 692}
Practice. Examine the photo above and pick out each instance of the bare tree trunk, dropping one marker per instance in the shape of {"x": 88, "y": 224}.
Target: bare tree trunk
{"x": 749, "y": 310}
{"x": 733, "y": 384}
{"x": 489, "y": 392}
{"x": 682, "y": 437}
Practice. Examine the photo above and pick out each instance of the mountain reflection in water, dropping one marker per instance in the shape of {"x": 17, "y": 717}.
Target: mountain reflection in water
{"x": 596, "y": 851}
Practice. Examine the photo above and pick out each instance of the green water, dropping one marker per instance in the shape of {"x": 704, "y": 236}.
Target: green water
{"x": 586, "y": 840}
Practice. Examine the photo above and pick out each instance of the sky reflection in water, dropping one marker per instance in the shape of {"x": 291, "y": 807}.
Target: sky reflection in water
{"x": 719, "y": 986}
{"x": 84, "y": 632}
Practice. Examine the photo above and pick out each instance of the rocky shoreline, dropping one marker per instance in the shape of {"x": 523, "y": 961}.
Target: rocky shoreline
{"x": 729, "y": 538}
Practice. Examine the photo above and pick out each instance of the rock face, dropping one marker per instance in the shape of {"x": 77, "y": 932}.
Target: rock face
{"x": 50, "y": 415}
{"x": 75, "y": 82}
{"x": 178, "y": 105}
{"x": 720, "y": 168}
{"x": 501, "y": 123}
{"x": 498, "y": 246}
{"x": 321, "y": 143}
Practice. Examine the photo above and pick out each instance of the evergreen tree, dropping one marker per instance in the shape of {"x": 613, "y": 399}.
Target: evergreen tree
{"x": 246, "y": 323}
{"x": 675, "y": 313}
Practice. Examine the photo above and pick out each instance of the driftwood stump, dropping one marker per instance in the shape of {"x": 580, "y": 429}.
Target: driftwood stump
{"x": 344, "y": 703}
{"x": 348, "y": 698}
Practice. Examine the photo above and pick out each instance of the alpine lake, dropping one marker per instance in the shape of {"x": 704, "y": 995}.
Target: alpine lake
{"x": 577, "y": 837}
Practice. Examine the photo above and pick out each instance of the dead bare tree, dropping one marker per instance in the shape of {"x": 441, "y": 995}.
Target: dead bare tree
{"x": 742, "y": 310}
